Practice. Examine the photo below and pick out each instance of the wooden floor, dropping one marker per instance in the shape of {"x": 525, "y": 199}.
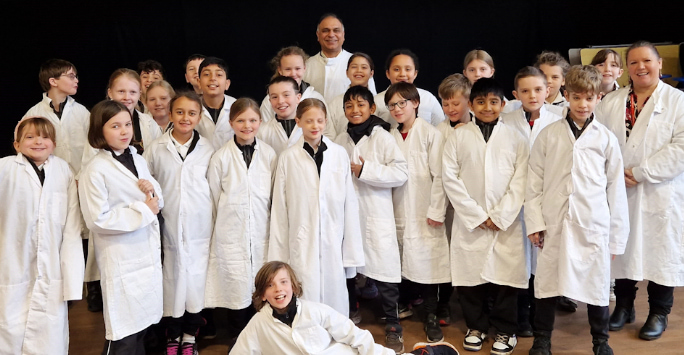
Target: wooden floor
{"x": 571, "y": 335}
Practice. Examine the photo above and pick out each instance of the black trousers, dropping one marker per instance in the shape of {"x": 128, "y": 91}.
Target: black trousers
{"x": 430, "y": 294}
{"x": 130, "y": 345}
{"x": 351, "y": 290}
{"x": 445, "y": 292}
{"x": 526, "y": 306}
{"x": 545, "y": 316}
{"x": 189, "y": 323}
{"x": 504, "y": 313}
{"x": 660, "y": 298}
{"x": 238, "y": 319}
{"x": 389, "y": 298}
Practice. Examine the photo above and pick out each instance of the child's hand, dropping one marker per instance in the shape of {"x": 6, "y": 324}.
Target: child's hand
{"x": 152, "y": 203}
{"x": 537, "y": 239}
{"x": 356, "y": 168}
{"x": 145, "y": 186}
{"x": 489, "y": 224}
{"x": 433, "y": 223}
{"x": 629, "y": 178}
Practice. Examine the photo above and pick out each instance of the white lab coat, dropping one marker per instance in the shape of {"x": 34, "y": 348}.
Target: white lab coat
{"x": 424, "y": 249}
{"x": 547, "y": 115}
{"x": 329, "y": 75}
{"x": 487, "y": 180}
{"x": 336, "y": 117}
{"x": 42, "y": 256}
{"x": 430, "y": 108}
{"x": 576, "y": 194}
{"x": 188, "y": 221}
{"x": 316, "y": 329}
{"x": 126, "y": 240}
{"x": 218, "y": 133}
{"x": 273, "y": 134}
{"x": 71, "y": 129}
{"x": 385, "y": 167}
{"x": 315, "y": 222}
{"x": 239, "y": 245}
{"x": 655, "y": 153}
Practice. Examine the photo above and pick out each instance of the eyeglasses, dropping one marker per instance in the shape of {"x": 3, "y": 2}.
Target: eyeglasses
{"x": 71, "y": 76}
{"x": 400, "y": 104}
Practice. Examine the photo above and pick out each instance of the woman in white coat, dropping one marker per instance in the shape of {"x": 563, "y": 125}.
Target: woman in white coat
{"x": 315, "y": 213}
{"x": 40, "y": 244}
{"x": 179, "y": 160}
{"x": 120, "y": 201}
{"x": 240, "y": 178}
{"x": 647, "y": 118}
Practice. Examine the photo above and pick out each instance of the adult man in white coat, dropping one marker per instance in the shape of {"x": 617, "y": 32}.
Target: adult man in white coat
{"x": 327, "y": 70}
{"x": 648, "y": 120}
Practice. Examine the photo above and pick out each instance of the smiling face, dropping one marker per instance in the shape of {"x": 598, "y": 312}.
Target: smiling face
{"x": 185, "y": 115}
{"x": 406, "y": 114}
{"x": 279, "y": 291}
{"x": 213, "y": 81}
{"x": 487, "y": 109}
{"x": 359, "y": 72}
{"x": 644, "y": 67}
{"x": 581, "y": 105}
{"x": 126, "y": 91}
{"x": 35, "y": 146}
{"x": 477, "y": 69}
{"x": 283, "y": 99}
{"x": 330, "y": 35}
{"x": 357, "y": 110}
{"x": 118, "y": 131}
{"x": 532, "y": 92}
{"x": 292, "y": 66}
{"x": 66, "y": 83}
{"x": 246, "y": 125}
{"x": 148, "y": 77}
{"x": 312, "y": 124}
{"x": 403, "y": 69}
{"x": 610, "y": 70}
{"x": 157, "y": 102}
{"x": 554, "y": 78}
{"x": 191, "y": 72}
{"x": 456, "y": 108}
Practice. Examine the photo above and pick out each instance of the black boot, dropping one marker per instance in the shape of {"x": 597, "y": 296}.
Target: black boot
{"x": 94, "y": 296}
{"x": 654, "y": 327}
{"x": 542, "y": 344}
{"x": 601, "y": 347}
{"x": 620, "y": 316}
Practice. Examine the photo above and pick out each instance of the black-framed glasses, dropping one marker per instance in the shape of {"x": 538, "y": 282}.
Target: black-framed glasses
{"x": 400, "y": 104}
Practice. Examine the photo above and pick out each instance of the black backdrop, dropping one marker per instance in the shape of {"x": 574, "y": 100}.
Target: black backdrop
{"x": 101, "y": 36}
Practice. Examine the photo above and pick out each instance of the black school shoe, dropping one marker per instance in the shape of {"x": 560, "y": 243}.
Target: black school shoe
{"x": 654, "y": 327}
{"x": 541, "y": 345}
{"x": 566, "y": 304}
{"x": 620, "y": 316}
{"x": 432, "y": 329}
{"x": 601, "y": 347}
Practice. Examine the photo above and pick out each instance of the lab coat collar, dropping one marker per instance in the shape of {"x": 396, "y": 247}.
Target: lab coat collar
{"x": 122, "y": 168}
{"x": 23, "y": 160}
{"x": 268, "y": 311}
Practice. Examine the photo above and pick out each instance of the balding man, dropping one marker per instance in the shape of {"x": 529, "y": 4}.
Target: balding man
{"x": 326, "y": 71}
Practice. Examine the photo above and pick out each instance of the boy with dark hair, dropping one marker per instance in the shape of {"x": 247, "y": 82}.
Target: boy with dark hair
{"x": 214, "y": 124}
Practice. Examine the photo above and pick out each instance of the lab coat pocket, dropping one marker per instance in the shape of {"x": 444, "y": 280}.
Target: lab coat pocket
{"x": 591, "y": 163}
{"x": 659, "y": 133}
{"x": 14, "y": 305}
{"x": 381, "y": 241}
{"x": 315, "y": 339}
{"x": 59, "y": 207}
{"x": 141, "y": 285}
{"x": 583, "y": 245}
{"x": 418, "y": 164}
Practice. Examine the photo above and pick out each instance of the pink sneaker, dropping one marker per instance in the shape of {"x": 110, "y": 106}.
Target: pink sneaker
{"x": 189, "y": 349}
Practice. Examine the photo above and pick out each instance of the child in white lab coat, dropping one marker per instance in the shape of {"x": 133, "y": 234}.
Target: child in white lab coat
{"x": 41, "y": 257}
{"x": 420, "y": 204}
{"x": 576, "y": 211}
{"x": 478, "y": 64}
{"x": 315, "y": 212}
{"x": 157, "y": 100}
{"x": 282, "y": 131}
{"x": 120, "y": 201}
{"x": 555, "y": 67}
{"x": 484, "y": 168}
{"x": 240, "y": 178}
{"x": 360, "y": 70}
{"x": 377, "y": 166}
{"x": 178, "y": 160}
{"x": 402, "y": 66}
{"x": 192, "y": 71}
{"x": 213, "y": 80}
{"x": 533, "y": 115}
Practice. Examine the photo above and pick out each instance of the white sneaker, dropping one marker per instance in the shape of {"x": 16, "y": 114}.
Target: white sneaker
{"x": 504, "y": 344}
{"x": 612, "y": 291}
{"x": 473, "y": 340}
